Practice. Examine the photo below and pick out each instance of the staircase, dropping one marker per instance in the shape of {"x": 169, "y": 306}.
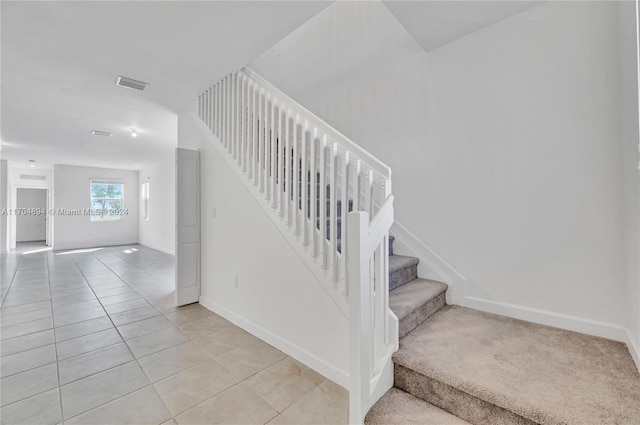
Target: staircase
{"x": 461, "y": 366}
{"x": 332, "y": 201}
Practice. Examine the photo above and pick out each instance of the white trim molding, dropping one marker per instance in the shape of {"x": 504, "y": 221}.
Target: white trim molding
{"x": 89, "y": 245}
{"x": 634, "y": 348}
{"x": 158, "y": 248}
{"x": 431, "y": 265}
{"x": 329, "y": 371}
{"x": 550, "y": 318}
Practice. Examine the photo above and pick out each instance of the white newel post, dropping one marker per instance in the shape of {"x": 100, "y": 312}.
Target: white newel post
{"x": 360, "y": 314}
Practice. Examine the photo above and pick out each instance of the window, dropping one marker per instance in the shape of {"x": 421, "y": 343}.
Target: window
{"x": 144, "y": 192}
{"x": 106, "y": 200}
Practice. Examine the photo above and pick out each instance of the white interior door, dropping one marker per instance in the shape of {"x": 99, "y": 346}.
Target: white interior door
{"x": 187, "y": 226}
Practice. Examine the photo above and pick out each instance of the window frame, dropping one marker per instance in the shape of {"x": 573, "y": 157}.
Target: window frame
{"x": 103, "y": 217}
{"x": 145, "y": 194}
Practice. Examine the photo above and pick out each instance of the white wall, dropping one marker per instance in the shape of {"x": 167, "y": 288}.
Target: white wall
{"x": 72, "y": 191}
{"x": 277, "y": 298}
{"x": 629, "y": 152}
{"x": 158, "y": 232}
{"x": 4, "y": 198}
{"x": 502, "y": 143}
{"x": 31, "y": 226}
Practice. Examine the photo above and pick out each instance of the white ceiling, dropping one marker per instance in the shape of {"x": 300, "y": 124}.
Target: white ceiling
{"x": 434, "y": 23}
{"x": 60, "y": 61}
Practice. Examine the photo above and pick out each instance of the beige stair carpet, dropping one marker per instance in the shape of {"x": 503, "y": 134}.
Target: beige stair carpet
{"x": 544, "y": 374}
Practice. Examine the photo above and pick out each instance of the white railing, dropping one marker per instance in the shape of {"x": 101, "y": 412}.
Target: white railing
{"x": 313, "y": 178}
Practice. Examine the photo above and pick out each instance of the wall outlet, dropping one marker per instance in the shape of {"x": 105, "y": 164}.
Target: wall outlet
{"x": 235, "y": 281}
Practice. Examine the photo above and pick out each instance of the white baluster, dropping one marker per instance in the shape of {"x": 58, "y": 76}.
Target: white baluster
{"x": 260, "y": 143}
{"x": 256, "y": 137}
{"x": 296, "y": 177}
{"x": 288, "y": 180}
{"x": 274, "y": 154}
{"x": 344, "y": 187}
{"x": 313, "y": 197}
{"x": 323, "y": 203}
{"x": 304, "y": 182}
{"x": 281, "y": 160}
{"x": 333, "y": 223}
{"x": 267, "y": 147}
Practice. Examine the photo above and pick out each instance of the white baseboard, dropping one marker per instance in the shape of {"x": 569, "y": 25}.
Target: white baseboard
{"x": 549, "y": 318}
{"x": 634, "y": 349}
{"x": 158, "y": 248}
{"x": 431, "y": 265}
{"x": 89, "y": 245}
{"x": 329, "y": 371}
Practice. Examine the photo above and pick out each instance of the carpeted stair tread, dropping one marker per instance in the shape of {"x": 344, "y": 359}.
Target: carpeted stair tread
{"x": 504, "y": 366}
{"x": 397, "y": 407}
{"x": 402, "y": 270}
{"x": 397, "y": 262}
{"x": 416, "y": 301}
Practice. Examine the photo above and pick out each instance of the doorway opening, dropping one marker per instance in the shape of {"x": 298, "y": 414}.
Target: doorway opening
{"x": 32, "y": 225}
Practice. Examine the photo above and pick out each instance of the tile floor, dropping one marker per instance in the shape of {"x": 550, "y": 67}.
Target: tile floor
{"x": 93, "y": 337}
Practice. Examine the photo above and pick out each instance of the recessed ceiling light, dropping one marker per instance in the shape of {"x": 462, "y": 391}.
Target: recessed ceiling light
{"x": 101, "y": 133}
{"x": 131, "y": 83}
{"x": 134, "y": 133}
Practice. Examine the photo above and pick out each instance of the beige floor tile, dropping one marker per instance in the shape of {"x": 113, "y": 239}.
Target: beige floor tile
{"x": 74, "y": 292}
{"x": 79, "y": 306}
{"x": 68, "y": 317}
{"x": 87, "y": 343}
{"x": 194, "y": 385}
{"x": 17, "y": 318}
{"x": 126, "y": 306}
{"x": 108, "y": 292}
{"x": 326, "y": 404}
{"x": 24, "y": 308}
{"x": 205, "y": 326}
{"x": 95, "y": 390}
{"x": 42, "y": 409}
{"x": 83, "y": 328}
{"x": 134, "y": 315}
{"x": 280, "y": 420}
{"x": 164, "y": 306}
{"x": 188, "y": 313}
{"x": 157, "y": 341}
{"x": 284, "y": 383}
{"x": 237, "y": 405}
{"x": 26, "y": 342}
{"x": 223, "y": 341}
{"x": 142, "y": 407}
{"x": 115, "y": 299}
{"x": 173, "y": 360}
{"x": 19, "y": 362}
{"x": 26, "y": 384}
{"x": 11, "y": 301}
{"x": 249, "y": 359}
{"x": 73, "y": 299}
{"x": 26, "y": 328}
{"x": 144, "y": 327}
{"x": 170, "y": 422}
{"x": 78, "y": 367}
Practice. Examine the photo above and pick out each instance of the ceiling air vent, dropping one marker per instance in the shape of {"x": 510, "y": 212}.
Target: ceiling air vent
{"x": 130, "y": 83}
{"x": 32, "y": 177}
{"x": 101, "y": 133}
